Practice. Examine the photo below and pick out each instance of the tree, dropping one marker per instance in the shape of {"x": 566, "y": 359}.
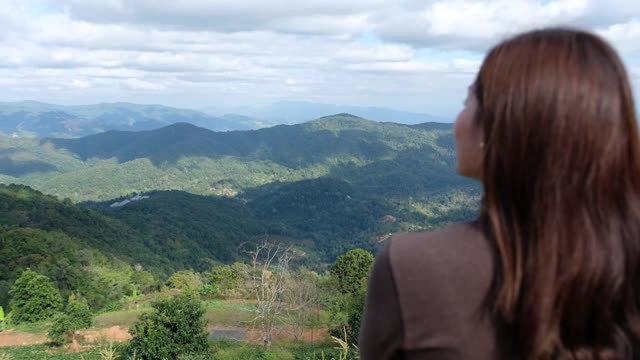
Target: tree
{"x": 61, "y": 325}
{"x": 269, "y": 273}
{"x": 176, "y": 326}
{"x": 142, "y": 280}
{"x": 350, "y": 269}
{"x": 76, "y": 316}
{"x": 184, "y": 280}
{"x": 354, "y": 313}
{"x": 223, "y": 277}
{"x": 350, "y": 273}
{"x": 34, "y": 298}
{"x": 78, "y": 311}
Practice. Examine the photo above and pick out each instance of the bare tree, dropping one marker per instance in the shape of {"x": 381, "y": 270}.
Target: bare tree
{"x": 270, "y": 270}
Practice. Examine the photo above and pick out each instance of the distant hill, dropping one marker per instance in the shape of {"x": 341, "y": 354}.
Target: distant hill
{"x": 383, "y": 158}
{"x": 35, "y": 119}
{"x": 295, "y": 112}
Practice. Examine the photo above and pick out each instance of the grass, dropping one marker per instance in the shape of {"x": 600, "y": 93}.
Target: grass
{"x": 46, "y": 352}
{"x": 219, "y": 312}
{"x": 33, "y": 328}
{"x": 230, "y": 350}
{"x": 223, "y": 313}
{"x": 119, "y": 317}
{"x": 220, "y": 350}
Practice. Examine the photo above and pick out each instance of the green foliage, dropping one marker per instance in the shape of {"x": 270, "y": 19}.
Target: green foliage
{"x": 61, "y": 324}
{"x": 3, "y": 324}
{"x": 24, "y": 207}
{"x": 351, "y": 273}
{"x": 77, "y": 248}
{"x": 227, "y": 278}
{"x": 351, "y": 269}
{"x": 143, "y": 281}
{"x": 356, "y": 310}
{"x": 75, "y": 317}
{"x": 175, "y": 326}
{"x": 34, "y": 298}
{"x": 189, "y": 230}
{"x": 79, "y": 312}
{"x": 46, "y": 352}
{"x": 184, "y": 280}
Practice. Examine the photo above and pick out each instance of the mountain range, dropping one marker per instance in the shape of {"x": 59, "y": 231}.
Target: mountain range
{"x": 37, "y": 119}
{"x": 294, "y": 112}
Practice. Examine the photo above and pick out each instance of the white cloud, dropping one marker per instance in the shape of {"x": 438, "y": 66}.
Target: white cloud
{"x": 473, "y": 24}
{"x": 194, "y": 52}
{"x": 625, "y": 36}
{"x": 80, "y": 84}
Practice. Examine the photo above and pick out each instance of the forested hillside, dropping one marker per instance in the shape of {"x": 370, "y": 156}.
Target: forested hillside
{"x": 74, "y": 246}
{"x": 93, "y": 249}
{"x": 381, "y": 158}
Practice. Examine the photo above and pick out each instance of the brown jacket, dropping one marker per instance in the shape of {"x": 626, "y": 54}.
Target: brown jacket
{"x": 426, "y": 295}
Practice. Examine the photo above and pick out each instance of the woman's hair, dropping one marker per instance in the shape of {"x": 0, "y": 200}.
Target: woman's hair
{"x": 561, "y": 204}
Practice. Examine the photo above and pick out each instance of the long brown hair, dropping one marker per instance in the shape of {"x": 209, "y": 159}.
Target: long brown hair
{"x": 561, "y": 205}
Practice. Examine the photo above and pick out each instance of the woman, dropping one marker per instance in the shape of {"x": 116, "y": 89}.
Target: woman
{"x": 551, "y": 268}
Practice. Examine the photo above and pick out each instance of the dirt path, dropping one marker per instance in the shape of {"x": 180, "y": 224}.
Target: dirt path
{"x": 121, "y": 333}
{"x": 111, "y": 334}
{"x": 13, "y": 338}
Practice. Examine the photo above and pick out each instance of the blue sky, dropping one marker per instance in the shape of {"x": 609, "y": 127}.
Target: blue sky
{"x": 417, "y": 55}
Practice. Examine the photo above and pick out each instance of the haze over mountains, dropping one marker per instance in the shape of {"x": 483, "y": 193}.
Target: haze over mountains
{"x": 294, "y": 112}
{"x": 37, "y": 119}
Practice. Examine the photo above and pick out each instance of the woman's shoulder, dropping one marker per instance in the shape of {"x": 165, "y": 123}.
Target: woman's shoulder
{"x": 441, "y": 278}
{"x": 442, "y": 248}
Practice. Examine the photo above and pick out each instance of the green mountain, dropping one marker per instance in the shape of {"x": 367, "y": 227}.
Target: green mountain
{"x": 35, "y": 119}
{"x": 332, "y": 181}
{"x": 386, "y": 158}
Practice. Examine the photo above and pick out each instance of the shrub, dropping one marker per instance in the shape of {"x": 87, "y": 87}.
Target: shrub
{"x": 78, "y": 311}
{"x": 76, "y": 316}
{"x": 61, "y": 324}
{"x": 176, "y": 326}
{"x": 34, "y": 298}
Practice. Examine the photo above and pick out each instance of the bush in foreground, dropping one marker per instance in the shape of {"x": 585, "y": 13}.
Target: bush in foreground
{"x": 176, "y": 326}
{"x": 76, "y": 316}
{"x": 34, "y": 298}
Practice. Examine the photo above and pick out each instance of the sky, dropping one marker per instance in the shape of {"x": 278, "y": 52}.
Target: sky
{"x": 413, "y": 55}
